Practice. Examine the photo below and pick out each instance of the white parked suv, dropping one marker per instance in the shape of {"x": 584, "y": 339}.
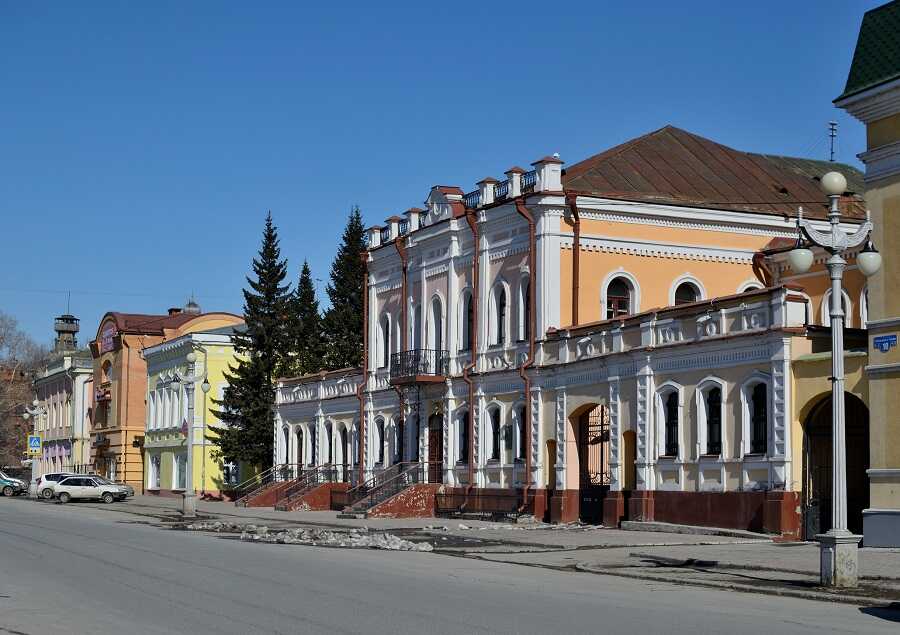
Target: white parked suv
{"x": 46, "y": 482}
{"x": 85, "y": 487}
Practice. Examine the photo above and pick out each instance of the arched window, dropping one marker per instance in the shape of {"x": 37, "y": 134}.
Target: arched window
{"x": 619, "y": 298}
{"x": 524, "y": 332}
{"x": 671, "y": 414}
{"x": 494, "y": 416}
{"x": 314, "y": 444}
{"x": 299, "y": 435}
{"x": 285, "y": 445}
{"x": 845, "y": 306}
{"x": 416, "y": 328}
{"x": 759, "y": 419}
{"x": 106, "y": 372}
{"x": 436, "y": 322}
{"x": 384, "y": 344}
{"x": 462, "y": 436}
{"x": 686, "y": 292}
{"x": 413, "y": 438}
{"x": 329, "y": 440}
{"x": 379, "y": 439}
{"x": 499, "y": 316}
{"x": 465, "y": 322}
{"x": 669, "y": 420}
{"x": 709, "y": 410}
{"x": 520, "y": 427}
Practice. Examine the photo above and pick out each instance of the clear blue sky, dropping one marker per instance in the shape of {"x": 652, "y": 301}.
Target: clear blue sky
{"x": 141, "y": 145}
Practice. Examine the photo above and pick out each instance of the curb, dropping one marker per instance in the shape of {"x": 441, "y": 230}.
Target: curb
{"x": 718, "y": 564}
{"x": 856, "y": 600}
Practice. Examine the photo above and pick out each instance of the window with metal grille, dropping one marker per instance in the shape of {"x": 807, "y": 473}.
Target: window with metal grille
{"x": 714, "y": 421}
{"x": 671, "y": 413}
{"x": 759, "y": 419}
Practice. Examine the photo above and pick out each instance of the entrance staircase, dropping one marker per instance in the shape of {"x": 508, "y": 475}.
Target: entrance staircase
{"x": 291, "y": 496}
{"x": 259, "y": 490}
{"x": 358, "y": 501}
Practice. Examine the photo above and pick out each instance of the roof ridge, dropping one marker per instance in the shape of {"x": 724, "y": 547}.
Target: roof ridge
{"x": 616, "y": 150}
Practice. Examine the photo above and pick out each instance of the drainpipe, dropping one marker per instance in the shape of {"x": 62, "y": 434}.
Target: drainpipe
{"x": 404, "y": 263}
{"x": 365, "y": 371}
{"x": 473, "y": 352}
{"x": 529, "y": 361}
{"x": 571, "y": 201}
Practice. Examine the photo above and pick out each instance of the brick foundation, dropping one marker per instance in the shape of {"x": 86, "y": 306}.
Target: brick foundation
{"x": 564, "y": 506}
{"x": 770, "y": 512}
{"x": 319, "y": 498}
{"x": 416, "y": 501}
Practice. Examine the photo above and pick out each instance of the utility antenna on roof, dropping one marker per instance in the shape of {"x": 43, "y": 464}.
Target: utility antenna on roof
{"x": 832, "y": 132}
{"x": 68, "y": 302}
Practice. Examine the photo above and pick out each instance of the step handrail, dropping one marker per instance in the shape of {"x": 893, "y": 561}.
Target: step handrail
{"x": 302, "y": 484}
{"x": 390, "y": 485}
{"x": 256, "y": 484}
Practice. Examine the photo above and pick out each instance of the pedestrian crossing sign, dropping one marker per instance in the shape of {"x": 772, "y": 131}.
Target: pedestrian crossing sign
{"x": 34, "y": 445}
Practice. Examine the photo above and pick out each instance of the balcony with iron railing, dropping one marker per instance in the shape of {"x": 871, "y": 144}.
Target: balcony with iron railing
{"x": 529, "y": 180}
{"x": 420, "y": 365}
{"x": 472, "y": 199}
{"x": 501, "y": 190}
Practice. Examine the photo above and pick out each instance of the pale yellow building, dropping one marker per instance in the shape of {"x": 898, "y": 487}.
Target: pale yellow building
{"x": 165, "y": 435}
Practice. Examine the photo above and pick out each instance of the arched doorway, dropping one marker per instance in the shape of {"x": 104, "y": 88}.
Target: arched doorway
{"x": 435, "y": 447}
{"x": 592, "y": 437}
{"x": 817, "y": 465}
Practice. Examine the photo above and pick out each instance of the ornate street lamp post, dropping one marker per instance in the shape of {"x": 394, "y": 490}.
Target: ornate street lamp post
{"x": 838, "y": 547}
{"x": 189, "y": 505}
{"x": 35, "y": 412}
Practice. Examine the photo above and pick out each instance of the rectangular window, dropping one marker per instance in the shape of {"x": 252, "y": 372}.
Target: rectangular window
{"x": 463, "y": 438}
{"x": 495, "y": 434}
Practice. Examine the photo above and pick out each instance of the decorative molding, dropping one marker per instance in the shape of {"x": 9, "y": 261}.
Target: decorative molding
{"x": 639, "y": 247}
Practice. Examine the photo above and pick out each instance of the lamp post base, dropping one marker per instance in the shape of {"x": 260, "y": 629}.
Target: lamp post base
{"x": 839, "y": 553}
{"x": 189, "y": 505}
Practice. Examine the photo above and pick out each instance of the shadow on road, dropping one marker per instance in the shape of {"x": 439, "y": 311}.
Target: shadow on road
{"x": 890, "y": 613}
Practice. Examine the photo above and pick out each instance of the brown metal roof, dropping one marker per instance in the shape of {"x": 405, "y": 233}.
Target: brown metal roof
{"x": 149, "y": 324}
{"x": 674, "y": 166}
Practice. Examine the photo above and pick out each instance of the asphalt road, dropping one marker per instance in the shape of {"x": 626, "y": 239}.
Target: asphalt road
{"x": 79, "y": 569}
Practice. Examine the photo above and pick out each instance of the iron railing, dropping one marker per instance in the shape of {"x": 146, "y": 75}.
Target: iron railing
{"x": 246, "y": 490}
{"x": 311, "y": 478}
{"x": 529, "y": 180}
{"x": 472, "y": 199}
{"x": 485, "y": 502}
{"x": 418, "y": 362}
{"x": 501, "y": 190}
{"x": 389, "y": 482}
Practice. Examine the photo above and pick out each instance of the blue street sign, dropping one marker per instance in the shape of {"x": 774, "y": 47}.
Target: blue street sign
{"x": 34, "y": 444}
{"x": 884, "y": 343}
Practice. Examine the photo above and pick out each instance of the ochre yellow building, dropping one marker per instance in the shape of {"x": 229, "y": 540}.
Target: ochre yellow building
{"x": 872, "y": 95}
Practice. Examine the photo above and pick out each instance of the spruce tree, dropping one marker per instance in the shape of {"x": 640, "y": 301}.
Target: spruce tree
{"x": 307, "y": 347}
{"x": 343, "y": 320}
{"x": 247, "y": 406}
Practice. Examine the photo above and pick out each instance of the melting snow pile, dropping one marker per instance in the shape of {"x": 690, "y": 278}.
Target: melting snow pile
{"x": 358, "y": 538}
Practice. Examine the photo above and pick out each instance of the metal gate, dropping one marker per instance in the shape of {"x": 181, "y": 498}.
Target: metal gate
{"x": 593, "y": 462}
